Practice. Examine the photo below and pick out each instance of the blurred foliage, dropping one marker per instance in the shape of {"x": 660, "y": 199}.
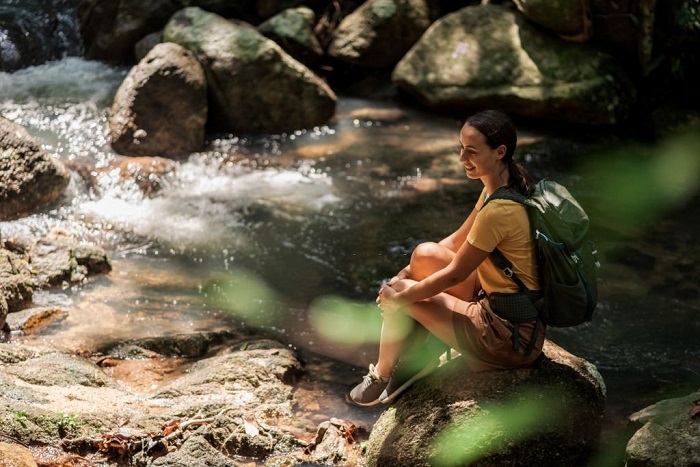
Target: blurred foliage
{"x": 247, "y": 296}
{"x": 495, "y": 425}
{"x": 638, "y": 185}
{"x": 344, "y": 321}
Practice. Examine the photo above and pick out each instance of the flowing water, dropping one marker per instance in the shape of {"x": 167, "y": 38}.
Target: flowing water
{"x": 294, "y": 233}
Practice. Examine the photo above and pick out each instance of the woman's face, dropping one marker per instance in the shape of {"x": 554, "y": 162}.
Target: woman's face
{"x": 476, "y": 155}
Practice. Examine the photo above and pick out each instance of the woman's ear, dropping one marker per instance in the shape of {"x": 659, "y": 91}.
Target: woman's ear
{"x": 501, "y": 151}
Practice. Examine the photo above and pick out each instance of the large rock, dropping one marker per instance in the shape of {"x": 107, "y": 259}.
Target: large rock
{"x": 255, "y": 85}
{"x": 161, "y": 107}
{"x": 548, "y": 414}
{"x": 488, "y": 56}
{"x": 58, "y": 257}
{"x": 670, "y": 434}
{"x": 380, "y": 32}
{"x": 293, "y": 30}
{"x": 31, "y": 179}
{"x": 236, "y": 403}
{"x": 111, "y": 29}
{"x": 566, "y": 18}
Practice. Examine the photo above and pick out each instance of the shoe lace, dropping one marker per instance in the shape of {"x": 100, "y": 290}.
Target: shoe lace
{"x": 372, "y": 376}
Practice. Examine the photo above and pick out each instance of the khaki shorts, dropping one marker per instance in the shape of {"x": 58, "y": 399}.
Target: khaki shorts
{"x": 486, "y": 341}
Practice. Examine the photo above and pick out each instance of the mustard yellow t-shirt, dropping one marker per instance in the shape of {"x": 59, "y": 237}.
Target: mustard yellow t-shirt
{"x": 504, "y": 224}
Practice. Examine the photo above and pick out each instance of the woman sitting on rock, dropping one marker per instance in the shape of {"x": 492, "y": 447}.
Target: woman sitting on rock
{"x": 445, "y": 287}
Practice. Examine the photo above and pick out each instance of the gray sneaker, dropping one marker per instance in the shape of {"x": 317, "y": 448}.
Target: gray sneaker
{"x": 367, "y": 392}
{"x": 408, "y": 370}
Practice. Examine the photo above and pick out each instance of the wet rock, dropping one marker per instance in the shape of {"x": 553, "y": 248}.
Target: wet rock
{"x": 380, "y": 32}
{"x": 35, "y": 320}
{"x": 255, "y": 85}
{"x": 161, "y": 107}
{"x": 16, "y": 281}
{"x": 293, "y": 30}
{"x": 58, "y": 257}
{"x": 31, "y": 179}
{"x": 489, "y": 56}
{"x": 149, "y": 173}
{"x": 553, "y": 410}
{"x": 670, "y": 434}
{"x": 332, "y": 444}
{"x": 181, "y": 345}
{"x": 14, "y": 455}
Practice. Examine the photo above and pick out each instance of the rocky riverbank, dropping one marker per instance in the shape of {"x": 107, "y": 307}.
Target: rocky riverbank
{"x": 240, "y": 398}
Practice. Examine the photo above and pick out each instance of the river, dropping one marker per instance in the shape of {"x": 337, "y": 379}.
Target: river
{"x": 293, "y": 233}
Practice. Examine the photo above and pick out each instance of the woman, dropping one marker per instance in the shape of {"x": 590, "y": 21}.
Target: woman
{"x": 440, "y": 288}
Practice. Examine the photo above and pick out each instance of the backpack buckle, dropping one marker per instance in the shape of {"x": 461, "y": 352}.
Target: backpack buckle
{"x": 508, "y": 272}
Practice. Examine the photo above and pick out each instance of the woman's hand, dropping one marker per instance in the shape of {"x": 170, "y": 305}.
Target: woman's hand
{"x": 402, "y": 274}
{"x": 386, "y": 301}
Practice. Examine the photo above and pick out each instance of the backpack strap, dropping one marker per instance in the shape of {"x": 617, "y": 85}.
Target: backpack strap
{"x": 517, "y": 317}
{"x": 501, "y": 262}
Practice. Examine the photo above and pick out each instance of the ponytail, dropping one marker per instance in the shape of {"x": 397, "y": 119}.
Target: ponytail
{"x": 520, "y": 179}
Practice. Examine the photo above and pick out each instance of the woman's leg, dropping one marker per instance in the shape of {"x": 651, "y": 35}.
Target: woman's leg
{"x": 434, "y": 314}
{"x": 409, "y": 327}
{"x": 430, "y": 257}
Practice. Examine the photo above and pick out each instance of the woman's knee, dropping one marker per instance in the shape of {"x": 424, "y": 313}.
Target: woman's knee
{"x": 429, "y": 257}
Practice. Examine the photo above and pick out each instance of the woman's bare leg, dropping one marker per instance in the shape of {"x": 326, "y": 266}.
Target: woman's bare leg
{"x": 430, "y": 257}
{"x": 434, "y": 314}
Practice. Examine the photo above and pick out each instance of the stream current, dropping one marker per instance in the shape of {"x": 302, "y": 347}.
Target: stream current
{"x": 294, "y": 233}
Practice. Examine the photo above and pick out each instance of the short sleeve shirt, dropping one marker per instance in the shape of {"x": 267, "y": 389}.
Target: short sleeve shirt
{"x": 504, "y": 224}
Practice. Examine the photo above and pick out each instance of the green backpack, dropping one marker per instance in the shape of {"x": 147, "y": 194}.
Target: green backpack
{"x": 566, "y": 261}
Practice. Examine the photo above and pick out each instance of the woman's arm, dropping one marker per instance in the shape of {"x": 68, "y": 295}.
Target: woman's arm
{"x": 466, "y": 260}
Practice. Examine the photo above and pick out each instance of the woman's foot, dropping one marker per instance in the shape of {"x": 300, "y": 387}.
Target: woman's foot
{"x": 368, "y": 391}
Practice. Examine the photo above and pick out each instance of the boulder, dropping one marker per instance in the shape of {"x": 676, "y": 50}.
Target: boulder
{"x": 145, "y": 44}
{"x": 35, "y": 320}
{"x": 256, "y": 87}
{"x": 31, "y": 179}
{"x": 380, "y": 32}
{"x": 293, "y": 30}
{"x": 236, "y": 403}
{"x": 161, "y": 107}
{"x": 670, "y": 434}
{"x": 488, "y": 56}
{"x": 548, "y": 414}
{"x": 111, "y": 29}
{"x": 58, "y": 257}
{"x": 567, "y": 19}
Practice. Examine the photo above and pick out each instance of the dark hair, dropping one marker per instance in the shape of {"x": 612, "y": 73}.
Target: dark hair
{"x": 498, "y": 129}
